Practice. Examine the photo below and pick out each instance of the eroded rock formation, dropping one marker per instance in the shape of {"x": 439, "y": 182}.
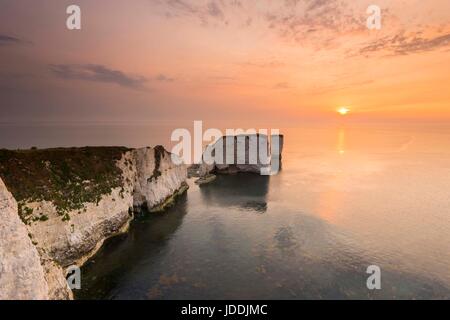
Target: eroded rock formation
{"x": 243, "y": 153}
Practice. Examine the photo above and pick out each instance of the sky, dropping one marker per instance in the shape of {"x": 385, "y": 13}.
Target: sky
{"x": 284, "y": 61}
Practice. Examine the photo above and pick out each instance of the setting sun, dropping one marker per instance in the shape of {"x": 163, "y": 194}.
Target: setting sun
{"x": 343, "y": 111}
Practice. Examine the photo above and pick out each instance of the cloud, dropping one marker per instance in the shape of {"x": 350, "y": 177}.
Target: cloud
{"x": 282, "y": 85}
{"x": 9, "y": 40}
{"x": 402, "y": 44}
{"x": 182, "y": 7}
{"x": 214, "y": 10}
{"x": 291, "y": 3}
{"x": 315, "y": 4}
{"x": 164, "y": 78}
{"x": 210, "y": 10}
{"x": 291, "y": 19}
{"x": 319, "y": 22}
{"x": 97, "y": 73}
{"x": 273, "y": 63}
{"x": 221, "y": 80}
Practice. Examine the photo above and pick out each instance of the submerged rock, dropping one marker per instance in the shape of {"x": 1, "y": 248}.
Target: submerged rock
{"x": 206, "y": 179}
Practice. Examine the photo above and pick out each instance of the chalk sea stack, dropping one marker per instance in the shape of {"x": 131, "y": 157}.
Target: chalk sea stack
{"x": 242, "y": 153}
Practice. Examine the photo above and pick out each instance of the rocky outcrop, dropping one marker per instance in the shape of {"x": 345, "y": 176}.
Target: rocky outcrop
{"x": 21, "y": 273}
{"x": 148, "y": 179}
{"x": 252, "y": 153}
{"x": 158, "y": 179}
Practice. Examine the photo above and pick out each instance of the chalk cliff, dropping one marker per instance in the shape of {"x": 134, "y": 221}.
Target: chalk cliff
{"x": 21, "y": 273}
{"x": 158, "y": 179}
{"x": 94, "y": 193}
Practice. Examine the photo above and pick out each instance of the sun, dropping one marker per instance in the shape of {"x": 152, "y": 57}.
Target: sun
{"x": 343, "y": 111}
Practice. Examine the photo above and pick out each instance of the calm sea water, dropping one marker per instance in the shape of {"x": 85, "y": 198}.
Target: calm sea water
{"x": 347, "y": 198}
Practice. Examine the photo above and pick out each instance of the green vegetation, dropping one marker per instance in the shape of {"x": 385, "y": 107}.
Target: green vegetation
{"x": 69, "y": 177}
{"x": 25, "y": 213}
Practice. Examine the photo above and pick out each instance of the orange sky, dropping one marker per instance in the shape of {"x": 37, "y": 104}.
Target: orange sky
{"x": 265, "y": 60}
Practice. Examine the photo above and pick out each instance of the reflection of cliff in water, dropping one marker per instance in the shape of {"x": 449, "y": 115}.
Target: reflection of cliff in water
{"x": 244, "y": 190}
{"x": 121, "y": 254}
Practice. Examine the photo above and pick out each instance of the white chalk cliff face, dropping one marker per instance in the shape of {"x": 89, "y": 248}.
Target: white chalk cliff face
{"x": 158, "y": 178}
{"x": 21, "y": 273}
{"x": 150, "y": 179}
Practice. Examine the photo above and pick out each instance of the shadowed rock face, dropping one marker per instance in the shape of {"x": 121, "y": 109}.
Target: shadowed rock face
{"x": 21, "y": 273}
{"x": 147, "y": 177}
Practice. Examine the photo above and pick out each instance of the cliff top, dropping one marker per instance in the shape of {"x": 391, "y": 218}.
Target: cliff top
{"x": 69, "y": 177}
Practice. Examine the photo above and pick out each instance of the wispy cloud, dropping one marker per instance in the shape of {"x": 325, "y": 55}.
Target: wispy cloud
{"x": 318, "y": 24}
{"x": 213, "y": 9}
{"x": 282, "y": 85}
{"x": 403, "y": 44}
{"x": 315, "y": 4}
{"x": 9, "y": 40}
{"x": 182, "y": 7}
{"x": 317, "y": 21}
{"x": 97, "y": 73}
{"x": 163, "y": 78}
{"x": 272, "y": 63}
{"x": 220, "y": 80}
{"x": 294, "y": 20}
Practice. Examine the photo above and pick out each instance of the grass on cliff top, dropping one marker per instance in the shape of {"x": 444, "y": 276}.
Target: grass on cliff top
{"x": 69, "y": 177}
